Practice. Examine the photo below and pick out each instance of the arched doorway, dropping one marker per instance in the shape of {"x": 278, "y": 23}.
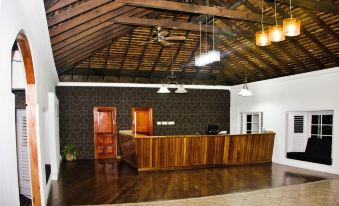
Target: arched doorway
{"x": 31, "y": 102}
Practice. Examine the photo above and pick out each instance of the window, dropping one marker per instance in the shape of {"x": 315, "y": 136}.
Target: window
{"x": 251, "y": 122}
{"x": 321, "y": 125}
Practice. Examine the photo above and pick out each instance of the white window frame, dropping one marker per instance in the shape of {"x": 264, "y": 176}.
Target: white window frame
{"x": 243, "y": 122}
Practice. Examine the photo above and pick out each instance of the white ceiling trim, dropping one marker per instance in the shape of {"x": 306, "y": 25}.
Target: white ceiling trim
{"x": 99, "y": 84}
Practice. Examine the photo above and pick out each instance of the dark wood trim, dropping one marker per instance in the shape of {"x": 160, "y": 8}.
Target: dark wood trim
{"x": 31, "y": 101}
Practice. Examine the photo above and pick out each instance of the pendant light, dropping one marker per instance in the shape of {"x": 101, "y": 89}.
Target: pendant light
{"x": 163, "y": 89}
{"x": 291, "y": 26}
{"x": 261, "y": 37}
{"x": 276, "y": 33}
{"x": 245, "y": 92}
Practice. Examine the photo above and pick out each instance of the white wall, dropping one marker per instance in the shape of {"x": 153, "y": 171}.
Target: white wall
{"x": 29, "y": 16}
{"x": 53, "y": 133}
{"x": 305, "y": 92}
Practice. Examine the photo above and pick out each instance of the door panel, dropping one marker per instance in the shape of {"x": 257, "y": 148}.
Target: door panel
{"x": 142, "y": 120}
{"x": 105, "y": 134}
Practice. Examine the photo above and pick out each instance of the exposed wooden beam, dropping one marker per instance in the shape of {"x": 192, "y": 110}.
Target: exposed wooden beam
{"x": 174, "y": 25}
{"x": 312, "y": 38}
{"x": 107, "y": 57}
{"x": 105, "y": 37}
{"x": 322, "y": 24}
{"x": 74, "y": 11}
{"x": 59, "y": 5}
{"x": 125, "y": 54}
{"x": 291, "y": 56}
{"x": 323, "y": 5}
{"x": 142, "y": 56}
{"x": 93, "y": 14}
{"x": 197, "y": 9}
{"x": 87, "y": 51}
{"x": 90, "y": 24}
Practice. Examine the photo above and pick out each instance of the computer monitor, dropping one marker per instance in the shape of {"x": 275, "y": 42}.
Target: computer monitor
{"x": 212, "y": 129}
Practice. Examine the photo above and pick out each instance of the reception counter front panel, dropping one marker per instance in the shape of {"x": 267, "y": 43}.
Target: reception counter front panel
{"x": 149, "y": 153}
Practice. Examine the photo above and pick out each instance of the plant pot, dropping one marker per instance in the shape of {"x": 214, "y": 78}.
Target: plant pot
{"x": 69, "y": 157}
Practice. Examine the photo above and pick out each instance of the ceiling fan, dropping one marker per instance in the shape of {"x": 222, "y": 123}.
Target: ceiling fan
{"x": 163, "y": 38}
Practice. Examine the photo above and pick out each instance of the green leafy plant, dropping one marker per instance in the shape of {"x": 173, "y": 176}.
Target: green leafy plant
{"x": 70, "y": 152}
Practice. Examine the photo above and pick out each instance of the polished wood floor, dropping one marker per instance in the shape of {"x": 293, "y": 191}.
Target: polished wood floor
{"x": 112, "y": 181}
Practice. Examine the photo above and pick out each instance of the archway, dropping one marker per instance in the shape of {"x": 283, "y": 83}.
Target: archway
{"x": 31, "y": 101}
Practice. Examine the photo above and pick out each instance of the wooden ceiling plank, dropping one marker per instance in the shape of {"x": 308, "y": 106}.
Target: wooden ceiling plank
{"x": 106, "y": 58}
{"x": 93, "y": 14}
{"x": 59, "y": 5}
{"x": 58, "y": 51}
{"x": 74, "y": 11}
{"x": 175, "y": 17}
{"x": 125, "y": 54}
{"x": 323, "y": 5}
{"x": 105, "y": 36}
{"x": 93, "y": 23}
{"x": 90, "y": 48}
{"x": 291, "y": 56}
{"x": 173, "y": 25}
{"x": 142, "y": 56}
{"x": 190, "y": 58}
{"x": 197, "y": 9}
{"x": 322, "y": 24}
{"x": 312, "y": 38}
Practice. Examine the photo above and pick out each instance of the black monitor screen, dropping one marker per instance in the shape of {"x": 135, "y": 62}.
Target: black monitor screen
{"x": 212, "y": 129}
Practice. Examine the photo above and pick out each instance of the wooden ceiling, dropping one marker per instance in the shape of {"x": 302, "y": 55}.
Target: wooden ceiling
{"x": 102, "y": 40}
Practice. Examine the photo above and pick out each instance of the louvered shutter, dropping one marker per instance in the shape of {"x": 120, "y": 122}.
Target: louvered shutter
{"x": 23, "y": 161}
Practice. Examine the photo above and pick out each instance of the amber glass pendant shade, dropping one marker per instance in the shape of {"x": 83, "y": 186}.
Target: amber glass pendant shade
{"x": 291, "y": 26}
{"x": 276, "y": 33}
{"x": 262, "y": 38}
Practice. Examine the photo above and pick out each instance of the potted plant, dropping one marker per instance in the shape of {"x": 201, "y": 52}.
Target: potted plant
{"x": 70, "y": 152}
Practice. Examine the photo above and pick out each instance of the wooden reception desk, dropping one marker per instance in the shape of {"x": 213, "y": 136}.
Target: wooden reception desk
{"x": 151, "y": 153}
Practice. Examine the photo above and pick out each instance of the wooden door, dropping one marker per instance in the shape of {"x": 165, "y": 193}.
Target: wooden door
{"x": 105, "y": 132}
{"x": 142, "y": 120}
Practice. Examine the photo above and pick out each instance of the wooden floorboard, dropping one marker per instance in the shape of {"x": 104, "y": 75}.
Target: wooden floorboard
{"x": 112, "y": 181}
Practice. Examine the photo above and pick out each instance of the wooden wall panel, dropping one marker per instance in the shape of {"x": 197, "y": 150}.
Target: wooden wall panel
{"x": 173, "y": 152}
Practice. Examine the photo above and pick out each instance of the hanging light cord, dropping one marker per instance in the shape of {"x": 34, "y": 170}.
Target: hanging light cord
{"x": 206, "y": 35}
{"x": 291, "y": 8}
{"x": 262, "y": 15}
{"x": 200, "y": 37}
{"x": 213, "y": 32}
{"x": 275, "y": 12}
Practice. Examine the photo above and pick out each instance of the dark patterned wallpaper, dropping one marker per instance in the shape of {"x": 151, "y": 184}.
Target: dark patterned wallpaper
{"x": 191, "y": 112}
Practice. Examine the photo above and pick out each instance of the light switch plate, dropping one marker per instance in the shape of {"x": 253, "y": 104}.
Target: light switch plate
{"x": 158, "y": 123}
{"x": 164, "y": 123}
{"x": 171, "y": 123}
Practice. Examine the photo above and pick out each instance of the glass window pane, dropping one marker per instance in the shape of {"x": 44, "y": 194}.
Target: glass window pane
{"x": 327, "y": 130}
{"x": 315, "y": 129}
{"x": 249, "y": 118}
{"x": 256, "y": 118}
{"x": 249, "y": 126}
{"x": 255, "y": 127}
{"x": 314, "y": 136}
{"x": 315, "y": 119}
{"x": 327, "y": 119}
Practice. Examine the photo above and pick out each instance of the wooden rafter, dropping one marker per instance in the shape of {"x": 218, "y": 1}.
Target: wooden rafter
{"x": 174, "y": 25}
{"x": 125, "y": 54}
{"x": 323, "y": 5}
{"x": 197, "y": 9}
{"x": 107, "y": 58}
{"x": 59, "y": 5}
{"x": 69, "y": 13}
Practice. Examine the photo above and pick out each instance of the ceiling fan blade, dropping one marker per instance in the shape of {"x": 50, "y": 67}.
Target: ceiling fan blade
{"x": 166, "y": 43}
{"x": 175, "y": 38}
{"x": 148, "y": 42}
{"x": 164, "y": 33}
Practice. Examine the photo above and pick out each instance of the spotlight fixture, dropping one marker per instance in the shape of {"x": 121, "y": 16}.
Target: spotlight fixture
{"x": 262, "y": 37}
{"x": 291, "y": 26}
{"x": 276, "y": 33}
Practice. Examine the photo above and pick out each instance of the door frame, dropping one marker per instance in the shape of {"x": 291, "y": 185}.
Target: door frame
{"x": 95, "y": 122}
{"x": 31, "y": 101}
{"x": 151, "y": 118}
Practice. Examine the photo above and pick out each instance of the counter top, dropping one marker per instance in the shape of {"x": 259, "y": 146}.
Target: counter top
{"x": 136, "y": 135}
